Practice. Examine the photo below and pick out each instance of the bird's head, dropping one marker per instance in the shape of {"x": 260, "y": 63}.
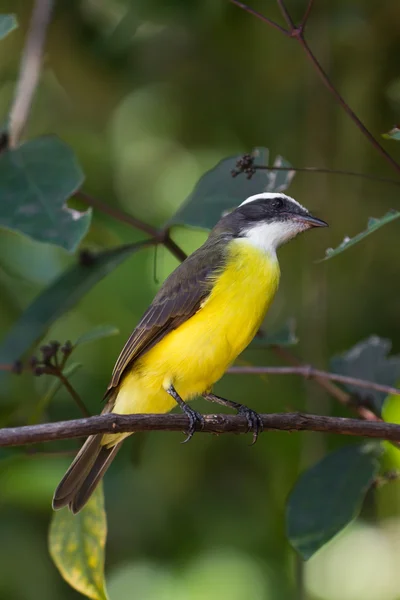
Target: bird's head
{"x": 270, "y": 219}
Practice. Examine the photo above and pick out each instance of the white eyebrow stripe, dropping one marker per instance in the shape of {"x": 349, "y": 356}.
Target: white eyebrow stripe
{"x": 270, "y": 196}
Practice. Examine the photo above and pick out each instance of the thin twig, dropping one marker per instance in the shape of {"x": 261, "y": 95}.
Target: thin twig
{"x": 286, "y": 14}
{"x": 117, "y": 214}
{"x": 339, "y": 98}
{"x": 329, "y": 172}
{"x": 332, "y": 389}
{"x": 30, "y": 69}
{"x": 260, "y": 16}
{"x": 113, "y": 423}
{"x": 308, "y": 371}
{"x": 160, "y": 236}
{"x": 74, "y": 394}
{"x": 304, "y": 20}
{"x": 173, "y": 247}
{"x": 298, "y": 34}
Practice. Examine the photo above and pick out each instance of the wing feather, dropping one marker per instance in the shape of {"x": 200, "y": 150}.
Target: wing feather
{"x": 179, "y": 298}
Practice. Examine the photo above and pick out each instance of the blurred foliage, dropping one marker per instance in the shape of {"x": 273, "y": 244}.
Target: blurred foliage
{"x": 36, "y": 180}
{"x": 76, "y": 544}
{"x": 330, "y": 495}
{"x": 369, "y": 359}
{"x": 373, "y": 225}
{"x": 218, "y": 191}
{"x": 150, "y": 95}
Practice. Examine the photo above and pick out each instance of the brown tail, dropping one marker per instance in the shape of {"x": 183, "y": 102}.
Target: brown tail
{"x": 84, "y": 474}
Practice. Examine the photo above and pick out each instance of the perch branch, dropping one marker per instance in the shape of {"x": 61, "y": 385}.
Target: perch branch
{"x": 112, "y": 423}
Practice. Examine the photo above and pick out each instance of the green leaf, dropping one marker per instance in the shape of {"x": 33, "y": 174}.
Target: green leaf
{"x": 217, "y": 191}
{"x": 59, "y": 297}
{"x": 102, "y": 331}
{"x": 7, "y": 24}
{"x": 36, "y": 179}
{"x": 329, "y": 495}
{"x": 76, "y": 544}
{"x": 373, "y": 225}
{"x": 285, "y": 336}
{"x": 393, "y": 134}
{"x": 369, "y": 360}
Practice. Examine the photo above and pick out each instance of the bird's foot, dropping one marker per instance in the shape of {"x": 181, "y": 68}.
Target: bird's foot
{"x": 254, "y": 421}
{"x": 195, "y": 420}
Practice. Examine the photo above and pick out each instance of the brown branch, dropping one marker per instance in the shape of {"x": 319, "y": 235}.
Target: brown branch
{"x": 298, "y": 34}
{"x": 31, "y": 63}
{"x": 308, "y": 371}
{"x": 173, "y": 247}
{"x": 159, "y": 236}
{"x": 286, "y": 15}
{"x": 74, "y": 394}
{"x": 260, "y": 16}
{"x": 117, "y": 214}
{"x": 339, "y": 98}
{"x": 330, "y": 387}
{"x": 112, "y": 423}
{"x": 304, "y": 20}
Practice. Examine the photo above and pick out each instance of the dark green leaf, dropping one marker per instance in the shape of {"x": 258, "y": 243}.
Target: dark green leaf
{"x": 97, "y": 333}
{"x": 285, "y": 336}
{"x": 393, "y": 134}
{"x": 329, "y": 495}
{"x": 59, "y": 297}
{"x": 373, "y": 225}
{"x": 7, "y": 24}
{"x": 76, "y": 544}
{"x": 36, "y": 179}
{"x": 369, "y": 360}
{"x": 217, "y": 191}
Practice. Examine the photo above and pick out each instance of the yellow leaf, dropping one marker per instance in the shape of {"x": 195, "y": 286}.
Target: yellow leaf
{"x": 76, "y": 544}
{"x": 391, "y": 414}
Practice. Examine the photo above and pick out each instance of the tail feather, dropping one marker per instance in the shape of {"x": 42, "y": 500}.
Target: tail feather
{"x": 77, "y": 472}
{"x": 85, "y": 472}
{"x": 93, "y": 478}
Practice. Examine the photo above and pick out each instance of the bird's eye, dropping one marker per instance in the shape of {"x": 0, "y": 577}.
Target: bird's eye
{"x": 277, "y": 203}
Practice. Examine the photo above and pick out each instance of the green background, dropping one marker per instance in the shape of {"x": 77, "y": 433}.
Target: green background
{"x": 150, "y": 94}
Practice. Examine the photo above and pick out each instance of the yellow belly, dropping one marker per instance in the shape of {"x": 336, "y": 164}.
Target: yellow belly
{"x": 196, "y": 354}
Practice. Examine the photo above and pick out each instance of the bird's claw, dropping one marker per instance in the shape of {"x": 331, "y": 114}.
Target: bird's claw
{"x": 195, "y": 418}
{"x": 254, "y": 422}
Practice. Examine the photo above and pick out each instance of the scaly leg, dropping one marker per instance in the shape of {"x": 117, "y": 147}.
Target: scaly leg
{"x": 194, "y": 417}
{"x": 253, "y": 419}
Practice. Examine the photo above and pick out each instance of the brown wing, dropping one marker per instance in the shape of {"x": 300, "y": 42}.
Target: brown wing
{"x": 179, "y": 298}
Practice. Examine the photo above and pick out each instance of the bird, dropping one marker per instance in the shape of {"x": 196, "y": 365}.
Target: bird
{"x": 204, "y": 315}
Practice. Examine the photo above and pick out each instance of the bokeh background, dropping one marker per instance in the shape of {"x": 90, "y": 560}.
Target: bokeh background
{"x": 150, "y": 94}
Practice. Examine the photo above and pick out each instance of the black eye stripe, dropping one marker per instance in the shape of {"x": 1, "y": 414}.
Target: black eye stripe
{"x": 277, "y": 203}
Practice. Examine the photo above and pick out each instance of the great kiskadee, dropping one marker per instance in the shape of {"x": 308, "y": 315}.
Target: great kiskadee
{"x": 205, "y": 314}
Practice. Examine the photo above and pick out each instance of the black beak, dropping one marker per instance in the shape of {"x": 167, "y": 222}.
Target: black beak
{"x": 310, "y": 220}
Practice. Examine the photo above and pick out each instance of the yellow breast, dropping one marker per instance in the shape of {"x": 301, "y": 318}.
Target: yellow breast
{"x": 198, "y": 352}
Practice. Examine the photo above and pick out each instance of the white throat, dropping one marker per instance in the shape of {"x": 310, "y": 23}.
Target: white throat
{"x": 267, "y": 237}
